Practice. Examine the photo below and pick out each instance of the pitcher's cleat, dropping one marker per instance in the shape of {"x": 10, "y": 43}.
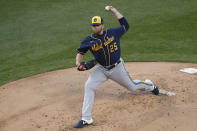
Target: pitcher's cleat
{"x": 155, "y": 90}
{"x": 83, "y": 123}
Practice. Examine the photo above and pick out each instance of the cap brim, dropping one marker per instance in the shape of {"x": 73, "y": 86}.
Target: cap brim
{"x": 95, "y": 24}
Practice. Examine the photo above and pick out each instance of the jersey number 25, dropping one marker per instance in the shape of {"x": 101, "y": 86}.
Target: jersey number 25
{"x": 113, "y": 47}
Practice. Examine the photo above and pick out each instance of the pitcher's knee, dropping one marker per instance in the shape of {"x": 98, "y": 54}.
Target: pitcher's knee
{"x": 90, "y": 85}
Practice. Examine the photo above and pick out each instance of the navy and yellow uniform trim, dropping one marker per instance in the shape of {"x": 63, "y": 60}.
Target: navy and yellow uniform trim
{"x": 105, "y": 47}
{"x": 105, "y": 43}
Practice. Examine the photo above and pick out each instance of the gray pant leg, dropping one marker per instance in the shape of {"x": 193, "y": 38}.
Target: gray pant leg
{"x": 96, "y": 78}
{"x": 121, "y": 76}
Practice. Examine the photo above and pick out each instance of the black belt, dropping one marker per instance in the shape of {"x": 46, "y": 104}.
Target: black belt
{"x": 112, "y": 66}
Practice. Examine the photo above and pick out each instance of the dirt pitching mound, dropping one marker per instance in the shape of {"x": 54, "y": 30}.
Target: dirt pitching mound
{"x": 52, "y": 101}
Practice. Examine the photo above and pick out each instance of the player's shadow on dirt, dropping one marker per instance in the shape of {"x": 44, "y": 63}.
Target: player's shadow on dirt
{"x": 120, "y": 95}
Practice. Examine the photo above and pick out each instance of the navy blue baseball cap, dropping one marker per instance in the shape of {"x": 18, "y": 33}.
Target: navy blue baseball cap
{"x": 97, "y": 20}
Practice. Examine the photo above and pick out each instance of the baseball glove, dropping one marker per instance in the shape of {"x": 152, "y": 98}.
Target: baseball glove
{"x": 86, "y": 65}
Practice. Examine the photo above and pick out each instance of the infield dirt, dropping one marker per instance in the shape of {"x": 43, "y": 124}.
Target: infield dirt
{"x": 52, "y": 101}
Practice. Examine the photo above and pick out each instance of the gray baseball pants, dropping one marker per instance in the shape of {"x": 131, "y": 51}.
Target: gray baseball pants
{"x": 100, "y": 74}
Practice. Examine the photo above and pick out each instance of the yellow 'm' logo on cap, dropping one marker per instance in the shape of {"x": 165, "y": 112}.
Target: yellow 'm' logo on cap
{"x": 96, "y": 20}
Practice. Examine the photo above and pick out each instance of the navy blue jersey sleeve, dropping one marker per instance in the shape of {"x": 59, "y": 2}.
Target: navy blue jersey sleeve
{"x": 85, "y": 45}
{"x": 123, "y": 28}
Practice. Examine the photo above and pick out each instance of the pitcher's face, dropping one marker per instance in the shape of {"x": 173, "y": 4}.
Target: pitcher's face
{"x": 98, "y": 29}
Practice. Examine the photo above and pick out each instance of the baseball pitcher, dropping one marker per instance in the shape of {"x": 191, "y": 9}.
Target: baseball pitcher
{"x": 105, "y": 47}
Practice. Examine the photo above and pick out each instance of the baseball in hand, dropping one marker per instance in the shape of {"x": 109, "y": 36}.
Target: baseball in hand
{"x": 107, "y": 8}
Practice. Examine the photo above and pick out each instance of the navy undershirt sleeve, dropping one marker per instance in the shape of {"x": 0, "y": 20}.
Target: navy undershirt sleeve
{"x": 122, "y": 29}
{"x": 124, "y": 23}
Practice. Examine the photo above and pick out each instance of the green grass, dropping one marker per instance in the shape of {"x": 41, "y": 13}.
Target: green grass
{"x": 40, "y": 36}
